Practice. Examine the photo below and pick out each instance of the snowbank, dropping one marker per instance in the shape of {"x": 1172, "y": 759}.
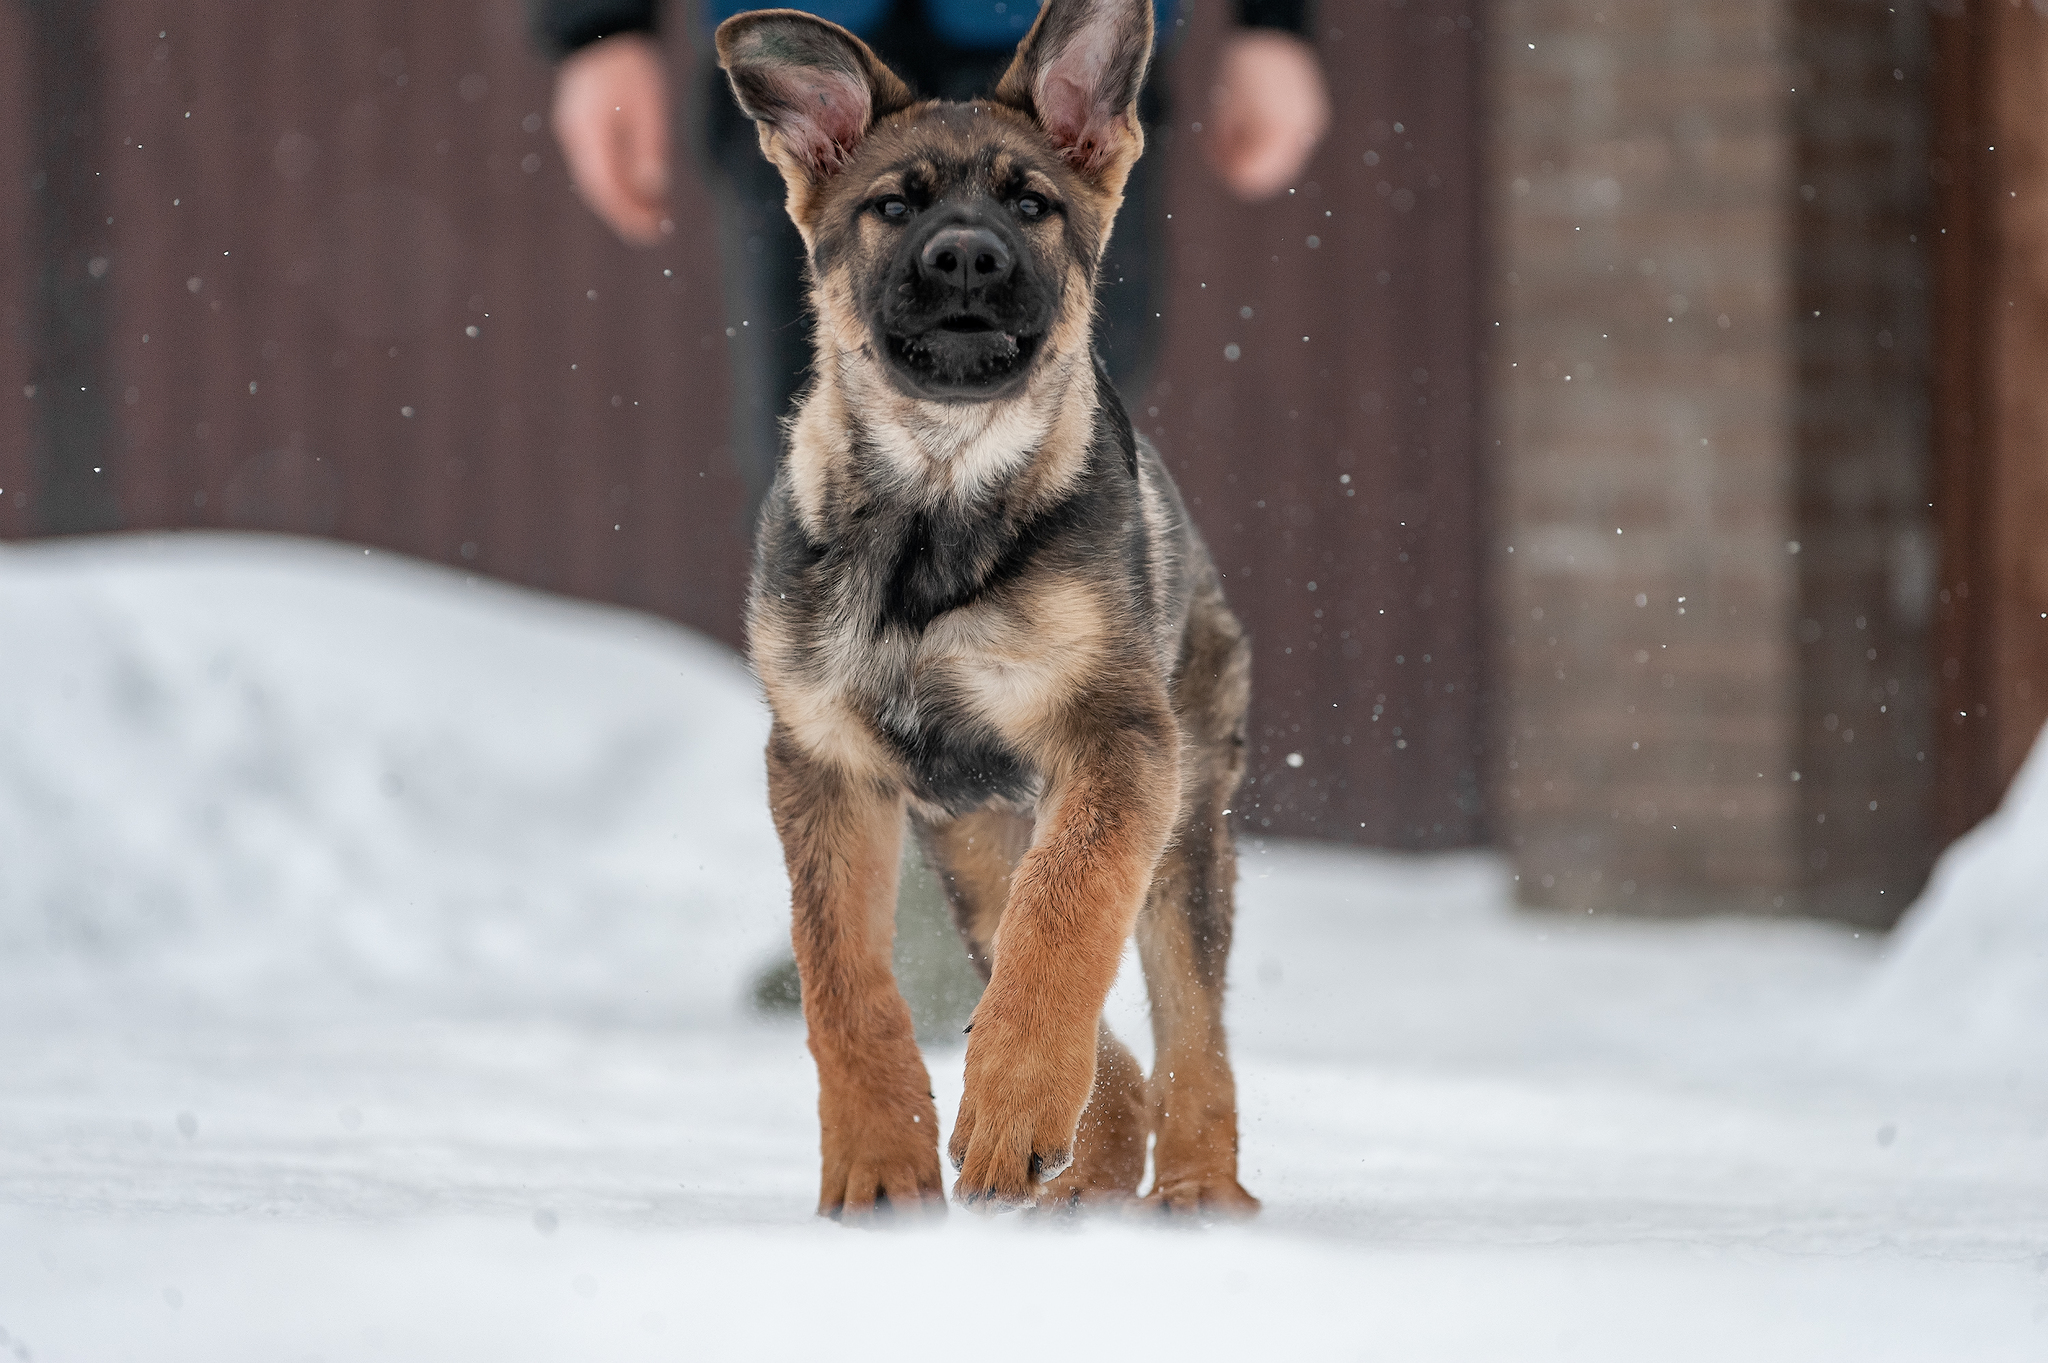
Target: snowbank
{"x": 233, "y": 759}
{"x": 1966, "y": 978}
{"x": 225, "y": 758}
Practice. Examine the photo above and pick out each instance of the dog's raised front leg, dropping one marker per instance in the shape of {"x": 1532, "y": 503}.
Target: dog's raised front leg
{"x": 975, "y": 856}
{"x": 1107, "y": 807}
{"x": 843, "y": 838}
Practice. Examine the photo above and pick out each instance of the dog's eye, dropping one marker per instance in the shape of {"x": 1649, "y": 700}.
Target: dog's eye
{"x": 893, "y": 208}
{"x": 1032, "y": 206}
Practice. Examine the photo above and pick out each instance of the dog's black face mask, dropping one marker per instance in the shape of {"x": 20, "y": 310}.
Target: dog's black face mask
{"x": 961, "y": 304}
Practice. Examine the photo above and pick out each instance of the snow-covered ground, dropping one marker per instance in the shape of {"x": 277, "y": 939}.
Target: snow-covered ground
{"x": 374, "y": 948}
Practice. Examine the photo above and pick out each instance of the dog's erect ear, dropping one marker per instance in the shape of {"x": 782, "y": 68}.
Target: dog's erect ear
{"x": 1078, "y": 72}
{"x": 813, "y": 88}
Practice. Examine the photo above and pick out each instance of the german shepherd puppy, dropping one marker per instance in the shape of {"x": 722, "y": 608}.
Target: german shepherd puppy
{"x": 978, "y": 602}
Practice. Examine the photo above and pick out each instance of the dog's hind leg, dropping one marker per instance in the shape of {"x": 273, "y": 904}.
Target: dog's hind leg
{"x": 974, "y": 857}
{"x": 1184, "y": 932}
{"x": 842, "y": 838}
{"x": 1109, "y": 1146}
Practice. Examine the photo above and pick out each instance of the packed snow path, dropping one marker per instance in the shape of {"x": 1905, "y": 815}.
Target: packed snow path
{"x": 373, "y": 953}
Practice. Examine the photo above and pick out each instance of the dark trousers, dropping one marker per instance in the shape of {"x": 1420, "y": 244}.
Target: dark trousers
{"x": 767, "y": 330}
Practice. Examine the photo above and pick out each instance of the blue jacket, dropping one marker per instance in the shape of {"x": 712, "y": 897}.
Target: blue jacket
{"x": 565, "y": 25}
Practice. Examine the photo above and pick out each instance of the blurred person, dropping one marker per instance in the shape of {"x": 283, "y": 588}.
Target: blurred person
{"x": 1269, "y": 109}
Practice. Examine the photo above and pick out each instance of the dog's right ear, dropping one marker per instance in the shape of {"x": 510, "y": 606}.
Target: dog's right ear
{"x": 813, "y": 88}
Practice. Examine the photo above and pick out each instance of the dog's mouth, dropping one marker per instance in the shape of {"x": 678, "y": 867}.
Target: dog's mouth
{"x": 965, "y": 356}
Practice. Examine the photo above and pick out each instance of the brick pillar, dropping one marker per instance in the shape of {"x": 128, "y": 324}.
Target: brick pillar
{"x": 1706, "y": 493}
{"x": 1861, "y": 203}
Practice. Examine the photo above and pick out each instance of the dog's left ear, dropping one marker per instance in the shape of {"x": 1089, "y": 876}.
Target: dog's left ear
{"x": 813, "y": 89}
{"x": 1078, "y": 73}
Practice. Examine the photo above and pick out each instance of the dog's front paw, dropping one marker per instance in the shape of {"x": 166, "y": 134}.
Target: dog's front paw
{"x": 1006, "y": 1149}
{"x": 881, "y": 1157}
{"x": 1016, "y": 1130}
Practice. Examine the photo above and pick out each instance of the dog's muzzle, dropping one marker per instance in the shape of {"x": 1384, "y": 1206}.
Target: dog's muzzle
{"x": 965, "y": 318}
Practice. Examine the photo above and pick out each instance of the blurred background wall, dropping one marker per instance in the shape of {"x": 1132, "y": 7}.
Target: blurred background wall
{"x": 318, "y": 269}
{"x": 1768, "y": 421}
{"x": 1729, "y": 277}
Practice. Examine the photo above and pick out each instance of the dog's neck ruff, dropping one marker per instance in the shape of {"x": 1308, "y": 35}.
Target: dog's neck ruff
{"x": 933, "y": 452}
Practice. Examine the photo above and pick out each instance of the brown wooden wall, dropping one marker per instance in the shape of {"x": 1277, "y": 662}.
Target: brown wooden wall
{"x": 346, "y": 290}
{"x": 312, "y": 206}
{"x": 1334, "y": 463}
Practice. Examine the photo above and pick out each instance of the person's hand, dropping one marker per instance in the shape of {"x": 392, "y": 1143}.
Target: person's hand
{"x": 611, "y": 117}
{"x": 1269, "y": 109}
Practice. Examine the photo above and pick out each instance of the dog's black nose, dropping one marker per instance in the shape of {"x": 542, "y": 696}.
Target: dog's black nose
{"x": 967, "y": 258}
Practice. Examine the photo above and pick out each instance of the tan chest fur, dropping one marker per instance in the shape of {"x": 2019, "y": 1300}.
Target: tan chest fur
{"x": 1007, "y": 665}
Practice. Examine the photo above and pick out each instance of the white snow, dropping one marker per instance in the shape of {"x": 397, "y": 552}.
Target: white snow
{"x": 373, "y": 947}
{"x": 229, "y": 760}
{"x": 1967, "y": 978}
